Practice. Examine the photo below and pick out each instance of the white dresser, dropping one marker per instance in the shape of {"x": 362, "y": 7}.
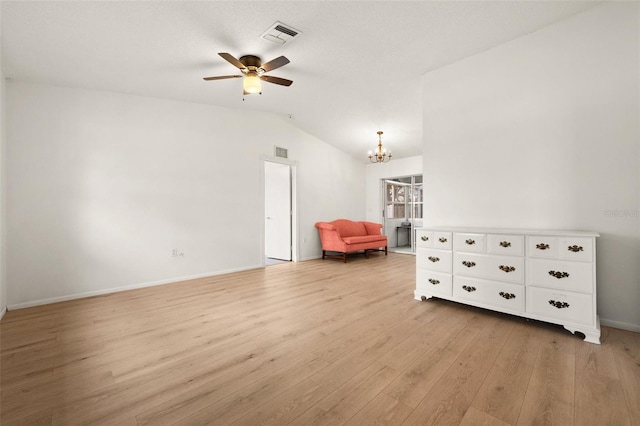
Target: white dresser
{"x": 543, "y": 275}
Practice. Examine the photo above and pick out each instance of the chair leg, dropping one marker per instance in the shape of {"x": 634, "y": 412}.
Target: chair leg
{"x": 323, "y": 253}
{"x": 344, "y": 255}
{"x": 385, "y": 250}
{"x": 366, "y": 254}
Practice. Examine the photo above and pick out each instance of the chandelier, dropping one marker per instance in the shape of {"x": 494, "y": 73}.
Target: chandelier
{"x": 380, "y": 155}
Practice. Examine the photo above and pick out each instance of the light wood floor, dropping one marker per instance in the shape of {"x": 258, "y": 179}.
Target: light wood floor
{"x": 318, "y": 342}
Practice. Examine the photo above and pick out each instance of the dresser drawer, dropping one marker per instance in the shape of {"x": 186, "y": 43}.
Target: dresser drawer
{"x": 505, "y": 244}
{"x": 541, "y": 246}
{"x": 424, "y": 238}
{"x": 493, "y": 293}
{"x": 561, "y": 275}
{"x": 433, "y": 282}
{"x": 564, "y": 306}
{"x": 433, "y": 260}
{"x": 573, "y": 248}
{"x": 442, "y": 240}
{"x": 502, "y": 268}
{"x": 474, "y": 243}
{"x": 570, "y": 248}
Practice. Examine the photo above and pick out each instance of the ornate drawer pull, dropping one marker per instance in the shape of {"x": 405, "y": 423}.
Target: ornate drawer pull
{"x": 575, "y": 249}
{"x": 468, "y": 264}
{"x": 433, "y": 259}
{"x": 434, "y": 282}
{"x": 559, "y": 274}
{"x": 442, "y": 239}
{"x": 424, "y": 238}
{"x": 506, "y": 268}
{"x": 468, "y": 288}
{"x": 559, "y": 305}
{"x": 542, "y": 246}
{"x": 507, "y": 295}
{"x": 470, "y": 242}
{"x": 505, "y": 244}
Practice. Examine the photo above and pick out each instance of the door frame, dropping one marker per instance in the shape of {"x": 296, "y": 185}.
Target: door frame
{"x": 294, "y": 205}
{"x": 412, "y": 218}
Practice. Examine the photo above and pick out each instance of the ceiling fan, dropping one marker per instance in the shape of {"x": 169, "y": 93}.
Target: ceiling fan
{"x": 253, "y": 71}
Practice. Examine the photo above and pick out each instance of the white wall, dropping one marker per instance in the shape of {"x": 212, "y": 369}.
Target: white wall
{"x": 3, "y": 223}
{"x": 3, "y": 130}
{"x": 543, "y": 132}
{"x": 103, "y": 186}
{"x": 400, "y": 167}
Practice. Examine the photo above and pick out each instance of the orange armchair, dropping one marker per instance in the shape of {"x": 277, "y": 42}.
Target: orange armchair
{"x": 345, "y": 236}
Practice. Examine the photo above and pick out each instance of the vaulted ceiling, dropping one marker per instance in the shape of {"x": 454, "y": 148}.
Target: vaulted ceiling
{"x": 357, "y": 65}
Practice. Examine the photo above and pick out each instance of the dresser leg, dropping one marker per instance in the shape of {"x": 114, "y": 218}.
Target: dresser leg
{"x": 590, "y": 335}
{"x": 422, "y": 297}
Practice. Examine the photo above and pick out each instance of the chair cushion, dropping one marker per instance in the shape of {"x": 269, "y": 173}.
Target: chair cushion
{"x": 365, "y": 239}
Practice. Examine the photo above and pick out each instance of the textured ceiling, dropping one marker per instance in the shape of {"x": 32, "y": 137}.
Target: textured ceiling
{"x": 356, "y": 67}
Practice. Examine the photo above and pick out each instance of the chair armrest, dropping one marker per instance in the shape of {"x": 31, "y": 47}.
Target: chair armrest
{"x": 330, "y": 237}
{"x": 326, "y": 226}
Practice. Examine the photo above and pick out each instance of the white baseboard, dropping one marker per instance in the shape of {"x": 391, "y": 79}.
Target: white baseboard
{"x": 3, "y": 311}
{"x": 620, "y": 325}
{"x": 65, "y": 298}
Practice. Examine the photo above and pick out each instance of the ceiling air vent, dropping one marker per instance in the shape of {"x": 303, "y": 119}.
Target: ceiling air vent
{"x": 281, "y": 152}
{"x": 280, "y": 33}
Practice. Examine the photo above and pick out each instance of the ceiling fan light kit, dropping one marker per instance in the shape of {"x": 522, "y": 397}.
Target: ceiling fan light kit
{"x": 380, "y": 155}
{"x": 251, "y": 84}
{"x": 253, "y": 71}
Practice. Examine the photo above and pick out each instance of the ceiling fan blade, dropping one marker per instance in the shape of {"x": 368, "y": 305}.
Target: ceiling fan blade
{"x": 221, "y": 77}
{"x": 233, "y": 61}
{"x": 276, "y": 80}
{"x": 276, "y": 63}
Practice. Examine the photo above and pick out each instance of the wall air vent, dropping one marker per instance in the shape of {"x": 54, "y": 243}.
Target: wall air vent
{"x": 281, "y": 152}
{"x": 280, "y": 33}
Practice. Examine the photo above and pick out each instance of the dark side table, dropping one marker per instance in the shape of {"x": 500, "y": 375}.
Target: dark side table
{"x": 408, "y": 228}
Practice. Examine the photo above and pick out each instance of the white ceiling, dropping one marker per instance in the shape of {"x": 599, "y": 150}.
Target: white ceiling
{"x": 356, "y": 67}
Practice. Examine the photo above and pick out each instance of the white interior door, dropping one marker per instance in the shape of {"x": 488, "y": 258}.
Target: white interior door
{"x": 277, "y": 207}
